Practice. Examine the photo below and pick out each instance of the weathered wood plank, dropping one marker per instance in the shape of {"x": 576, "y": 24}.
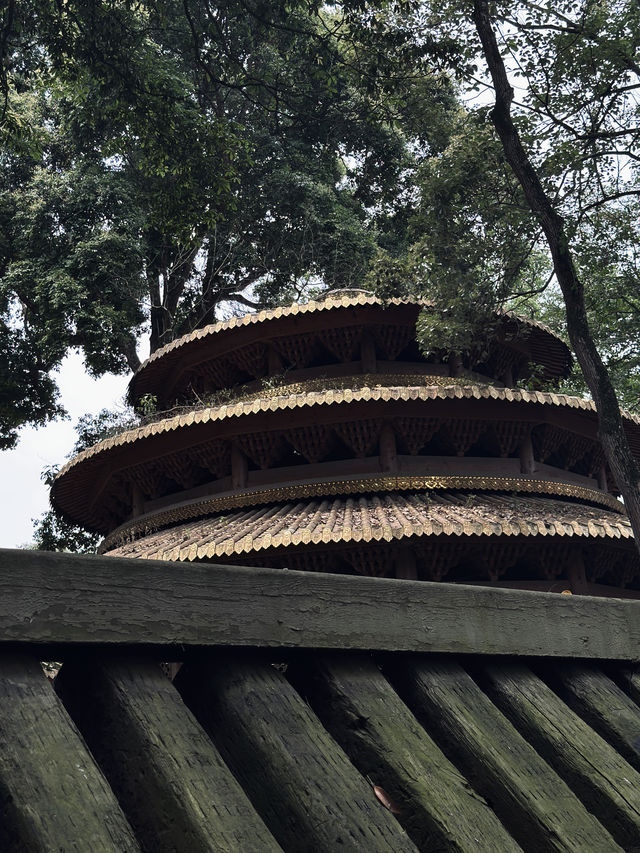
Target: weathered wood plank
{"x": 48, "y": 598}
{"x": 599, "y": 701}
{"x": 52, "y": 794}
{"x": 604, "y": 781}
{"x": 534, "y": 803}
{"x": 387, "y": 744}
{"x": 171, "y": 781}
{"x": 630, "y": 678}
{"x": 298, "y": 778}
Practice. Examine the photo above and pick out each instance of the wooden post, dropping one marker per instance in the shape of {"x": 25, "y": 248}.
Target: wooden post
{"x": 565, "y": 741}
{"x": 174, "y": 787}
{"x": 54, "y": 796}
{"x": 137, "y": 500}
{"x": 406, "y": 568}
{"x": 455, "y": 364}
{"x": 540, "y": 810}
{"x": 368, "y": 354}
{"x": 577, "y": 574}
{"x": 297, "y": 777}
{"x": 435, "y": 804}
{"x": 527, "y": 458}
{"x": 388, "y": 449}
{"x": 274, "y": 362}
{"x": 239, "y": 468}
{"x": 602, "y": 478}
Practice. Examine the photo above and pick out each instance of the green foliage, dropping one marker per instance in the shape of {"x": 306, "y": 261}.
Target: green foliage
{"x": 473, "y": 248}
{"x": 53, "y": 531}
{"x": 473, "y": 245}
{"x": 27, "y": 392}
{"x": 163, "y": 158}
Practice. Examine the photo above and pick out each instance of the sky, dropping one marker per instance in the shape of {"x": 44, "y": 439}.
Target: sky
{"x": 24, "y": 495}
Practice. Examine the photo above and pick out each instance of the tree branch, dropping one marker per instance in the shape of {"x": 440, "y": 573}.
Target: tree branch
{"x": 612, "y": 435}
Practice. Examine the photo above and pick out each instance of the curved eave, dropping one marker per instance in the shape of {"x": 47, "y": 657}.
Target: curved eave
{"x": 75, "y": 485}
{"x": 288, "y": 402}
{"x": 217, "y": 338}
{"x": 196, "y": 509}
{"x": 368, "y": 519}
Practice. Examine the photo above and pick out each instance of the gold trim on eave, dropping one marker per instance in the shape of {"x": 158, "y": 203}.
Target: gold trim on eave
{"x": 375, "y": 518}
{"x": 349, "y": 300}
{"x": 174, "y": 515}
{"x": 286, "y": 401}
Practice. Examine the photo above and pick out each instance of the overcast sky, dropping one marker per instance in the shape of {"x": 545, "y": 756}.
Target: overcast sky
{"x": 23, "y": 494}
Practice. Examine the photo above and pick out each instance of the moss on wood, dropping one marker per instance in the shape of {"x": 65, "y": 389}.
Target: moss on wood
{"x": 176, "y": 790}
{"x": 536, "y": 805}
{"x": 437, "y": 806}
{"x": 299, "y": 779}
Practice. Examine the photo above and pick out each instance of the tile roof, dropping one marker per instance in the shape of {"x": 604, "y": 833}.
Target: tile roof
{"x": 288, "y": 402}
{"x": 373, "y": 518}
{"x": 351, "y": 299}
{"x": 547, "y": 344}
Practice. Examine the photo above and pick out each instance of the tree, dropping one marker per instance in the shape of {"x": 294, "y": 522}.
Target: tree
{"x": 571, "y": 141}
{"x": 52, "y": 531}
{"x": 163, "y": 158}
{"x": 616, "y": 447}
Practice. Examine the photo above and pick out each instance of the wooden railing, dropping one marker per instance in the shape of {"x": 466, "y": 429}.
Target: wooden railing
{"x": 63, "y": 600}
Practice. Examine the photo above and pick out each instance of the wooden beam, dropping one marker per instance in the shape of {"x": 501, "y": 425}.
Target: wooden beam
{"x": 599, "y": 701}
{"x": 533, "y": 802}
{"x": 384, "y": 740}
{"x": 571, "y": 747}
{"x": 54, "y": 797}
{"x": 56, "y": 599}
{"x": 298, "y": 779}
{"x": 174, "y": 787}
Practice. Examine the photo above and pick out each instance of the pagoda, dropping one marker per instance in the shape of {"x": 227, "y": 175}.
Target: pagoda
{"x": 320, "y": 437}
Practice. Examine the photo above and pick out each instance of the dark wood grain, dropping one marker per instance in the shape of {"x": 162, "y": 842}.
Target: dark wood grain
{"x": 436, "y": 805}
{"x": 604, "y": 706}
{"x": 607, "y": 784}
{"x": 535, "y": 804}
{"x": 176, "y": 790}
{"x": 301, "y": 782}
{"x": 54, "y": 598}
{"x": 52, "y": 795}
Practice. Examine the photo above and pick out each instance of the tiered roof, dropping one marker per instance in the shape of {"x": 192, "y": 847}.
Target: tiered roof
{"x": 320, "y": 435}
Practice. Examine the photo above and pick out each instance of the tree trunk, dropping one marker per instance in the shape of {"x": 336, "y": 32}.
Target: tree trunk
{"x": 611, "y": 429}
{"x": 130, "y": 352}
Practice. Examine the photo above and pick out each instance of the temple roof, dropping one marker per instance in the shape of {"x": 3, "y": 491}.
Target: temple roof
{"x": 398, "y": 716}
{"x": 219, "y": 338}
{"x": 283, "y": 402}
{"x": 372, "y": 518}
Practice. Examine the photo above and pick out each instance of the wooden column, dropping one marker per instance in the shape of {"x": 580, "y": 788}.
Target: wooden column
{"x": 170, "y": 780}
{"x": 275, "y": 365}
{"x": 565, "y": 741}
{"x": 527, "y": 458}
{"x": 368, "y": 354}
{"x": 388, "y": 450}
{"x": 297, "y": 777}
{"x": 538, "y": 808}
{"x": 406, "y": 568}
{"x": 137, "y": 500}
{"x": 54, "y": 796}
{"x": 602, "y": 479}
{"x": 433, "y": 801}
{"x": 239, "y": 468}
{"x": 577, "y": 574}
